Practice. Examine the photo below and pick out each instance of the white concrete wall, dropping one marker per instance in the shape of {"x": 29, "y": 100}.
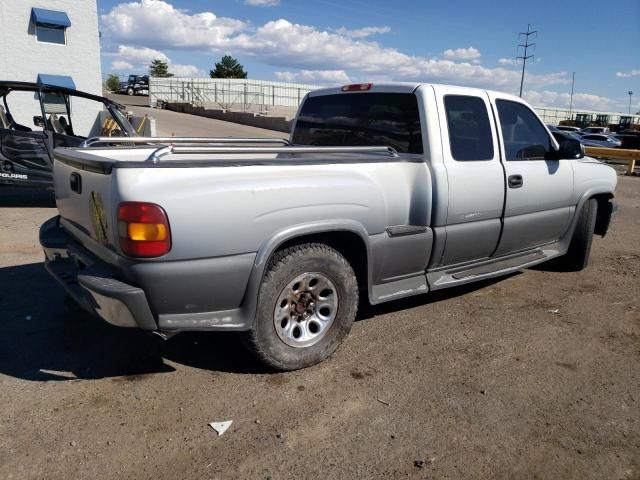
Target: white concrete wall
{"x": 22, "y": 57}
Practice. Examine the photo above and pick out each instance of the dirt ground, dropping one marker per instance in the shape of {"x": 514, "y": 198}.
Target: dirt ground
{"x": 532, "y": 376}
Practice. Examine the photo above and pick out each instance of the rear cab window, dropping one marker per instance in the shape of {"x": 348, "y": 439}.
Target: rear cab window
{"x": 361, "y": 119}
{"x": 470, "y": 137}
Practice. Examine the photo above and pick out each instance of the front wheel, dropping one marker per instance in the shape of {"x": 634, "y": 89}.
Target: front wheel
{"x": 306, "y": 306}
{"x": 130, "y": 92}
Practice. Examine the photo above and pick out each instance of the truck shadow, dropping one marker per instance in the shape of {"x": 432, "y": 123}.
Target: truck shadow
{"x": 44, "y": 339}
{"x": 11, "y": 196}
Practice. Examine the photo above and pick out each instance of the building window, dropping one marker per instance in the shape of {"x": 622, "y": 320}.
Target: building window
{"x": 51, "y": 35}
{"x": 50, "y": 25}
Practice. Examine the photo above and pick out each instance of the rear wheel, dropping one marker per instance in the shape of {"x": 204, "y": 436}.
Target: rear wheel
{"x": 577, "y": 256}
{"x": 306, "y": 306}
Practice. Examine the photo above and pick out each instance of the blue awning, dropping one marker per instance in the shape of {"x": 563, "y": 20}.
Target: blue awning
{"x": 57, "y": 80}
{"x": 50, "y": 18}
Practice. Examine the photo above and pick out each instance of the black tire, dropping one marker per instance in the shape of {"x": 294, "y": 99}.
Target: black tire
{"x": 130, "y": 91}
{"x": 577, "y": 256}
{"x": 284, "y": 268}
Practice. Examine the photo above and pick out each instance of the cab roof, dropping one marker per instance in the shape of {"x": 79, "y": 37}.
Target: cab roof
{"x": 404, "y": 87}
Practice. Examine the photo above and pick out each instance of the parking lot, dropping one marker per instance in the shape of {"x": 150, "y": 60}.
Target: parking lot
{"x": 531, "y": 376}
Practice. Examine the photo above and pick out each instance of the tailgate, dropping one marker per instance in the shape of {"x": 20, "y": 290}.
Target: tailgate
{"x": 83, "y": 189}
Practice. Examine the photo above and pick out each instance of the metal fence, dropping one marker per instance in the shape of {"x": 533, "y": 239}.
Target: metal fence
{"x": 226, "y": 93}
{"x": 554, "y": 115}
{"x": 261, "y": 96}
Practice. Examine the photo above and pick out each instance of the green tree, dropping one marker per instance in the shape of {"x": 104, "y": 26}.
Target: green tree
{"x": 112, "y": 83}
{"x": 228, "y": 67}
{"x": 159, "y": 68}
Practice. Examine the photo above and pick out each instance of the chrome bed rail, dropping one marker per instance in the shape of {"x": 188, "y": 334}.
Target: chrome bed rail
{"x": 181, "y": 140}
{"x": 220, "y": 145}
{"x": 181, "y": 149}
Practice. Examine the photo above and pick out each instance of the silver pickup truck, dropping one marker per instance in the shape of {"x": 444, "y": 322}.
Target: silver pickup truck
{"x": 382, "y": 191}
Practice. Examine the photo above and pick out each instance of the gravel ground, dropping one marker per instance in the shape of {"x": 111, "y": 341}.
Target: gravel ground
{"x": 531, "y": 376}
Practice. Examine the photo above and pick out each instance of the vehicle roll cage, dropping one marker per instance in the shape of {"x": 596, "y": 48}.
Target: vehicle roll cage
{"x": 6, "y": 87}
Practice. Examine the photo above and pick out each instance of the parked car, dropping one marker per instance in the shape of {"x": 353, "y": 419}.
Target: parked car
{"x": 630, "y": 132}
{"x": 566, "y": 128}
{"x": 606, "y": 141}
{"x": 35, "y": 118}
{"x": 383, "y": 191}
{"x": 595, "y": 130}
{"x": 562, "y": 135}
{"x": 628, "y": 140}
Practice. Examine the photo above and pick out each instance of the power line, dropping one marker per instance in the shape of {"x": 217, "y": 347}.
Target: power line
{"x": 573, "y": 81}
{"x": 526, "y": 45}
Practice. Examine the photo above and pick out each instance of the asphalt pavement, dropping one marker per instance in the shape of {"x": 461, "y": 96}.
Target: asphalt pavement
{"x": 170, "y": 123}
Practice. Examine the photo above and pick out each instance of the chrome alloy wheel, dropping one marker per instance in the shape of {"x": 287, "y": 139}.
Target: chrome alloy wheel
{"x": 305, "y": 310}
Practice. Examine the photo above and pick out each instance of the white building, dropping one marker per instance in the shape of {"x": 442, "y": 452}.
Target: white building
{"x": 52, "y": 41}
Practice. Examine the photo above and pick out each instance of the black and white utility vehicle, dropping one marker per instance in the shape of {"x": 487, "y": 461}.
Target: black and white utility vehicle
{"x": 36, "y": 118}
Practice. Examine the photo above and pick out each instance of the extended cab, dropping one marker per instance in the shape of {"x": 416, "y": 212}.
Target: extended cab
{"x": 383, "y": 191}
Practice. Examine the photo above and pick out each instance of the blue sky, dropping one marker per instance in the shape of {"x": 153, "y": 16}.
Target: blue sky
{"x": 331, "y": 41}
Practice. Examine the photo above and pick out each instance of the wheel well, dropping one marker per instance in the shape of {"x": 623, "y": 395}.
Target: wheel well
{"x": 350, "y": 245}
{"x": 603, "y": 216}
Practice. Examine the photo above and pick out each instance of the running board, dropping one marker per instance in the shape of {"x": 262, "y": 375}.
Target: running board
{"x": 405, "y": 287}
{"x": 494, "y": 267}
{"x": 491, "y": 268}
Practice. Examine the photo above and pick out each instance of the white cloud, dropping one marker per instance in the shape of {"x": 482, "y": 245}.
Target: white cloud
{"x": 309, "y": 54}
{"x": 121, "y": 65}
{"x": 157, "y": 24}
{"x": 462, "y": 54}
{"x": 508, "y": 61}
{"x": 632, "y": 73}
{"x": 180, "y": 70}
{"x": 160, "y": 24}
{"x": 561, "y": 100}
{"x": 262, "y": 3}
{"x": 314, "y": 76}
{"x": 137, "y": 55}
{"x": 128, "y": 58}
{"x": 362, "y": 32}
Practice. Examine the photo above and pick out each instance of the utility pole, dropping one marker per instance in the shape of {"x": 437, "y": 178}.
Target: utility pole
{"x": 573, "y": 81}
{"x": 630, "y": 93}
{"x": 526, "y": 45}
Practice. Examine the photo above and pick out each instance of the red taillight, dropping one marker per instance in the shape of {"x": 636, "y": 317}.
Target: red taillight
{"x": 357, "y": 87}
{"x": 143, "y": 229}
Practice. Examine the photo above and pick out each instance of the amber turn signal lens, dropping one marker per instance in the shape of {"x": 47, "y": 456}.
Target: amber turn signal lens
{"x": 147, "y": 232}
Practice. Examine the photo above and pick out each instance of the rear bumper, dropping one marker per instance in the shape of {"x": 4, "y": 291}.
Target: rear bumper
{"x": 91, "y": 282}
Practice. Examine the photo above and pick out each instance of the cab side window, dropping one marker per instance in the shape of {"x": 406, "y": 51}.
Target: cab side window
{"x": 524, "y": 136}
{"x": 469, "y": 128}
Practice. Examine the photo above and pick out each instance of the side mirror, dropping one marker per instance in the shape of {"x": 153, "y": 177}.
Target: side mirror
{"x": 571, "y": 150}
{"x": 38, "y": 121}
